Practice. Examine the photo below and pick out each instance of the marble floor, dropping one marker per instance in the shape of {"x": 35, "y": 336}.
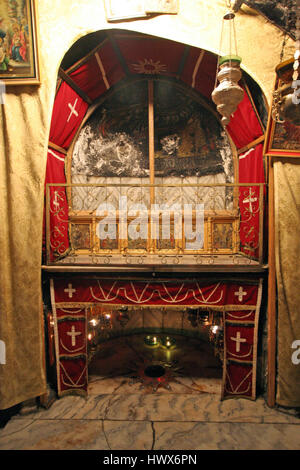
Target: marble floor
{"x": 191, "y": 367}
{"x": 124, "y": 412}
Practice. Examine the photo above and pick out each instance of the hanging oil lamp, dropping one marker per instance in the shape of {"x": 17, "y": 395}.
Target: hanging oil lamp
{"x": 228, "y": 94}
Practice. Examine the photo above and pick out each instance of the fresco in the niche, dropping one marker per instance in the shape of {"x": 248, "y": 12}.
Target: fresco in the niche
{"x": 188, "y": 138}
{"x": 114, "y": 142}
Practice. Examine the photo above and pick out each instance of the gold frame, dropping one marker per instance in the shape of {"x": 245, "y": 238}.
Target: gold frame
{"x": 33, "y": 78}
{"x": 269, "y": 150}
{"x": 211, "y": 217}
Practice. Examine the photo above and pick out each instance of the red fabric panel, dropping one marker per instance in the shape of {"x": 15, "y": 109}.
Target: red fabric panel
{"x": 251, "y": 167}
{"x": 240, "y": 294}
{"x": 245, "y": 316}
{"x": 244, "y": 126}
{"x": 65, "y": 122}
{"x": 55, "y": 173}
{"x": 251, "y": 170}
{"x": 239, "y": 342}
{"x": 151, "y": 55}
{"x": 89, "y": 76}
{"x": 72, "y": 349}
{"x": 200, "y": 76}
{"x": 240, "y": 326}
{"x": 73, "y": 374}
{"x": 66, "y": 330}
{"x": 151, "y": 293}
{"x": 238, "y": 381}
{"x": 240, "y": 351}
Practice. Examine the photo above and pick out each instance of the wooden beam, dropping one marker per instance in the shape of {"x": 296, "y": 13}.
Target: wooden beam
{"x": 85, "y": 59}
{"x": 58, "y": 83}
{"x": 151, "y": 139}
{"x": 183, "y": 61}
{"x": 57, "y": 148}
{"x": 74, "y": 86}
{"x": 252, "y": 144}
{"x": 118, "y": 53}
{"x": 271, "y": 293}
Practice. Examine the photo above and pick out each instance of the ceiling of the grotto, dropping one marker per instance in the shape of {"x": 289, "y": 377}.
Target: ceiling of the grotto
{"x": 123, "y": 51}
{"x": 280, "y": 12}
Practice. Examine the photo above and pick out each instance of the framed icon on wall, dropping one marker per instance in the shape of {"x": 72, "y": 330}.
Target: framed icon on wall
{"x": 18, "y": 43}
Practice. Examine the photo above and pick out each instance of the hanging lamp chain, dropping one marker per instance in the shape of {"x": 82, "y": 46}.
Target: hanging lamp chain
{"x": 228, "y": 94}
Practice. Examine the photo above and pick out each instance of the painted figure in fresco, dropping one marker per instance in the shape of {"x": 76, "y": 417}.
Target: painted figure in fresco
{"x": 170, "y": 144}
{"x": 2, "y": 32}
{"x": 12, "y": 8}
{"x": 4, "y": 60}
{"x": 25, "y": 29}
{"x": 18, "y": 44}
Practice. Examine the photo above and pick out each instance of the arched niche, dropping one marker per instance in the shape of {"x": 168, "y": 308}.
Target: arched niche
{"x": 190, "y": 146}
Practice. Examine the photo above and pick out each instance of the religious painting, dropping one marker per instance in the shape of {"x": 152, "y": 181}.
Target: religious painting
{"x": 114, "y": 141}
{"x": 124, "y": 10}
{"x": 285, "y": 137}
{"x": 189, "y": 140}
{"x": 223, "y": 234}
{"x": 191, "y": 241}
{"x": 81, "y": 236}
{"x": 18, "y": 42}
{"x": 136, "y": 244}
{"x": 109, "y": 244}
{"x": 168, "y": 243}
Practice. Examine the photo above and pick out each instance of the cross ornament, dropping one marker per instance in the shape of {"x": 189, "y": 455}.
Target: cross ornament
{"x": 70, "y": 290}
{"x": 238, "y": 340}
{"x": 240, "y": 293}
{"x": 250, "y": 199}
{"x": 56, "y": 199}
{"x": 73, "y": 334}
{"x": 73, "y": 110}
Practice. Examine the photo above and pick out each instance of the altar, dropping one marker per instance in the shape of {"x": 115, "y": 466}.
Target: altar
{"x": 154, "y": 219}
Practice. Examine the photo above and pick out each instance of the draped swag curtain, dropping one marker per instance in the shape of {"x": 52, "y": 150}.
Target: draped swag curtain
{"x": 287, "y": 223}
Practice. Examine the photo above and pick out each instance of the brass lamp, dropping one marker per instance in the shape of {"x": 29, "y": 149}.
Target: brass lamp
{"x": 285, "y": 98}
{"x": 228, "y": 94}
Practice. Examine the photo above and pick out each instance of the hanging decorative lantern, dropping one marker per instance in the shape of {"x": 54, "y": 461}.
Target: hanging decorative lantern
{"x": 228, "y": 94}
{"x": 286, "y": 98}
